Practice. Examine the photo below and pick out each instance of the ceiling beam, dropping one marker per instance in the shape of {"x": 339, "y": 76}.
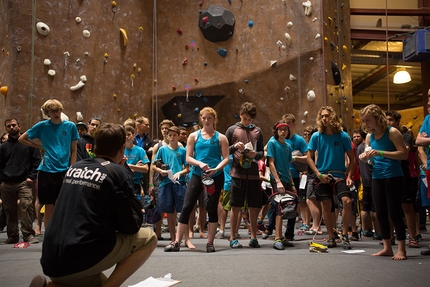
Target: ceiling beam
{"x": 380, "y": 34}
{"x": 390, "y": 12}
{"x": 372, "y": 79}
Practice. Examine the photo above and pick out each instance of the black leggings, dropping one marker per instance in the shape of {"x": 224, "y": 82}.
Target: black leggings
{"x": 194, "y": 189}
{"x": 387, "y": 198}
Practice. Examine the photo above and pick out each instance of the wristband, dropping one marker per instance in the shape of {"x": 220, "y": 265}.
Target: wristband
{"x": 381, "y": 153}
{"x": 292, "y": 184}
{"x": 294, "y": 158}
{"x": 151, "y": 185}
{"x": 321, "y": 175}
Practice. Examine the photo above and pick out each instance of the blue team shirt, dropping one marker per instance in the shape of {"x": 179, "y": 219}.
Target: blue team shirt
{"x": 426, "y": 128}
{"x": 297, "y": 143}
{"x": 56, "y": 140}
{"x": 207, "y": 151}
{"x": 331, "y": 152}
{"x": 282, "y": 154}
{"x": 175, "y": 158}
{"x": 134, "y": 155}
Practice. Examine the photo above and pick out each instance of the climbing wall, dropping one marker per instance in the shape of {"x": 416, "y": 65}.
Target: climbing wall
{"x": 277, "y": 54}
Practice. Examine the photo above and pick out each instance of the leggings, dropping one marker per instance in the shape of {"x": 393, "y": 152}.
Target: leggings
{"x": 194, "y": 189}
{"x": 387, "y": 198}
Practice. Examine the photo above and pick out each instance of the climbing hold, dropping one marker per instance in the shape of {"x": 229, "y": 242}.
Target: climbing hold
{"x": 311, "y": 96}
{"x": 222, "y": 52}
{"x": 290, "y": 24}
{"x": 174, "y": 88}
{"x": 4, "y": 90}
{"x": 179, "y": 31}
{"x": 336, "y": 73}
{"x": 51, "y": 72}
{"x": 196, "y": 110}
{"x": 241, "y": 91}
{"x": 78, "y": 20}
{"x": 306, "y": 113}
{"x": 317, "y": 36}
{"x": 196, "y": 80}
{"x": 314, "y": 19}
{"x": 205, "y": 19}
{"x": 343, "y": 66}
{"x": 124, "y": 36}
{"x": 311, "y": 59}
{"x": 246, "y": 81}
{"x": 344, "y": 48}
{"x": 273, "y": 63}
{"x": 179, "y": 116}
{"x": 198, "y": 94}
{"x": 250, "y": 24}
{"x": 106, "y": 55}
{"x": 79, "y": 85}
{"x": 292, "y": 78}
{"x": 288, "y": 39}
{"x": 186, "y": 47}
{"x": 201, "y": 3}
{"x": 47, "y": 62}
{"x": 86, "y": 33}
{"x": 205, "y": 64}
{"x": 185, "y": 61}
{"x": 113, "y": 4}
{"x": 115, "y": 96}
{"x": 308, "y": 8}
{"x": 43, "y": 29}
{"x": 303, "y": 122}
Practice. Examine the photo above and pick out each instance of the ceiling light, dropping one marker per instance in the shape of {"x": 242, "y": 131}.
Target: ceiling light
{"x": 402, "y": 77}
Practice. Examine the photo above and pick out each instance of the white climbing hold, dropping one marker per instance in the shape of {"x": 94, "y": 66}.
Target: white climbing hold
{"x": 292, "y": 78}
{"x": 308, "y": 8}
{"x": 43, "y": 29}
{"x": 47, "y": 62}
{"x": 273, "y": 63}
{"x": 86, "y": 33}
{"x": 311, "y": 96}
{"x": 79, "y": 85}
{"x": 51, "y": 72}
{"x": 288, "y": 40}
{"x": 290, "y": 24}
{"x": 78, "y": 19}
{"x": 317, "y": 36}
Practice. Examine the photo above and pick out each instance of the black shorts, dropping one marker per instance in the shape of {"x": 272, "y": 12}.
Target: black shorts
{"x": 409, "y": 191}
{"x": 327, "y": 191}
{"x": 367, "y": 201}
{"x": 242, "y": 189}
{"x": 49, "y": 186}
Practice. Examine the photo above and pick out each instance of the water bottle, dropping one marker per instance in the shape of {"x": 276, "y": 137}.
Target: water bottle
{"x": 370, "y": 160}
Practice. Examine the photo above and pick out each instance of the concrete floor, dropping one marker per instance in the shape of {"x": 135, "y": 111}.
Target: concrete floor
{"x": 265, "y": 266}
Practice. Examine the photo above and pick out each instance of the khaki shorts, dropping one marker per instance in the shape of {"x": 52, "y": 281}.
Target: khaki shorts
{"x": 125, "y": 245}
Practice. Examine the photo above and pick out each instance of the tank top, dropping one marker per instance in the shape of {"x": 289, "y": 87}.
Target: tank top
{"x": 207, "y": 151}
{"x": 384, "y": 167}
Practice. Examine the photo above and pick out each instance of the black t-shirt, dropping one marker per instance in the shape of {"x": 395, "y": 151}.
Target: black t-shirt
{"x": 82, "y": 229}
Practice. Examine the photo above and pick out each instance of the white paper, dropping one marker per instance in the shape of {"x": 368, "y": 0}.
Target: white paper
{"x": 303, "y": 181}
{"x": 156, "y": 282}
{"x": 354, "y": 251}
{"x": 170, "y": 176}
{"x": 425, "y": 181}
{"x": 249, "y": 146}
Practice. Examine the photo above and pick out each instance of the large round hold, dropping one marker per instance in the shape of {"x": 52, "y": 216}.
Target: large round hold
{"x": 216, "y": 23}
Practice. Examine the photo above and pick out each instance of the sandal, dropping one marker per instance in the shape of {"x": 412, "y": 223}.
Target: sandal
{"x": 310, "y": 232}
{"x": 413, "y": 243}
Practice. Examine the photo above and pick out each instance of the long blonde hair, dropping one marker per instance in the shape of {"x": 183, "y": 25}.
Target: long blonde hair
{"x": 376, "y": 112}
{"x": 334, "y": 120}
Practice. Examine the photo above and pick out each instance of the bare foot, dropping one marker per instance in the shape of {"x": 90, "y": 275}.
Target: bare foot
{"x": 37, "y": 230}
{"x": 400, "y": 256}
{"x": 191, "y": 234}
{"x": 189, "y": 244}
{"x": 384, "y": 252}
{"x": 202, "y": 235}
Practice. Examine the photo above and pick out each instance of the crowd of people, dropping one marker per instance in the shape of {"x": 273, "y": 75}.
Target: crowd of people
{"x": 97, "y": 182}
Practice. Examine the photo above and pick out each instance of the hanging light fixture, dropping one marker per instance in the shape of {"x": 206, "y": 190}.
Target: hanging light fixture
{"x": 401, "y": 77}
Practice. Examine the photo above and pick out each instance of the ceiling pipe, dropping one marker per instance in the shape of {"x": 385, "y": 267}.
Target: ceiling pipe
{"x": 390, "y": 12}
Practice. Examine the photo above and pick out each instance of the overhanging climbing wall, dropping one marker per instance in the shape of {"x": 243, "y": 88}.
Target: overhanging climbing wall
{"x": 278, "y": 55}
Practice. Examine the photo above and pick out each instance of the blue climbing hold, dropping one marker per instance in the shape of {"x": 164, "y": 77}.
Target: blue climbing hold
{"x": 250, "y": 23}
{"x": 222, "y": 52}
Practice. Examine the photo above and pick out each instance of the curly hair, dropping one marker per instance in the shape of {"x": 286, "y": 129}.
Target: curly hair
{"x": 208, "y": 110}
{"x": 249, "y": 109}
{"x": 334, "y": 120}
{"x": 376, "y": 112}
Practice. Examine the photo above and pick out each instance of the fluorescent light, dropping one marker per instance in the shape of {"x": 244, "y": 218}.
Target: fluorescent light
{"x": 402, "y": 77}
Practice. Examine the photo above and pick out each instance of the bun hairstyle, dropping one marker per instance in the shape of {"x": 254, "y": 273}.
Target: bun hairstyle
{"x": 279, "y": 125}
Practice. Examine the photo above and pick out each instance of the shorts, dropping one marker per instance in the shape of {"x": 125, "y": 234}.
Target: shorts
{"x": 171, "y": 197}
{"x": 249, "y": 190}
{"x": 265, "y": 195}
{"x": 327, "y": 191}
{"x": 367, "y": 201}
{"x": 49, "y": 186}
{"x": 225, "y": 200}
{"x": 125, "y": 245}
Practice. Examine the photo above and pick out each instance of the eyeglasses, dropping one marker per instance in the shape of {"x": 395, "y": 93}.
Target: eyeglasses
{"x": 54, "y": 111}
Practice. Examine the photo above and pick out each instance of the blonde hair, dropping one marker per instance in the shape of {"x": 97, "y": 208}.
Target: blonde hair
{"x": 376, "y": 112}
{"x": 334, "y": 120}
{"x": 208, "y": 110}
{"x": 130, "y": 122}
{"x": 51, "y": 104}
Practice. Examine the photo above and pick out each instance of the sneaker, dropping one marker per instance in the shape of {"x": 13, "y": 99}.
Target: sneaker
{"x": 31, "y": 239}
{"x": 278, "y": 245}
{"x": 367, "y": 233}
{"x": 38, "y": 281}
{"x": 210, "y": 247}
{"x": 345, "y": 242}
{"x": 9, "y": 241}
{"x": 354, "y": 236}
{"x": 303, "y": 227}
{"x": 377, "y": 236}
{"x": 286, "y": 243}
{"x": 316, "y": 247}
{"x": 266, "y": 234}
{"x": 235, "y": 244}
{"x": 173, "y": 246}
{"x": 331, "y": 242}
{"x": 219, "y": 234}
{"x": 254, "y": 243}
{"x": 413, "y": 243}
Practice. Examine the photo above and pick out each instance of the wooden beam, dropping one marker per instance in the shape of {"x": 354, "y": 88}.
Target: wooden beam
{"x": 390, "y": 12}
{"x": 372, "y": 79}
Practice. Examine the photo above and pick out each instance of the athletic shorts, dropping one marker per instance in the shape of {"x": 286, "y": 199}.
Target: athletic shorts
{"x": 49, "y": 186}
{"x": 249, "y": 190}
{"x": 171, "y": 197}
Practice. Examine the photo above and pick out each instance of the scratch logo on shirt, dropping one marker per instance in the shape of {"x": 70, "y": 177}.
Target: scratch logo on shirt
{"x": 85, "y": 173}
{"x": 336, "y": 143}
